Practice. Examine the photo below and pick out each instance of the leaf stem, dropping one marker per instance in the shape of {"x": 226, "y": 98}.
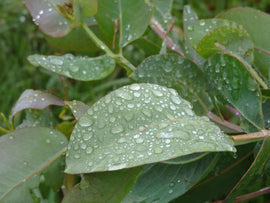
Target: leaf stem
{"x": 251, "y": 137}
{"x": 120, "y": 59}
{"x": 4, "y": 130}
{"x": 5, "y": 121}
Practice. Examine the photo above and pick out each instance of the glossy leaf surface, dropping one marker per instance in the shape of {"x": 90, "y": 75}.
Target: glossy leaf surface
{"x": 35, "y": 99}
{"x": 78, "y": 108}
{"x": 228, "y": 77}
{"x": 162, "y": 182}
{"x": 257, "y": 25}
{"x": 79, "y": 68}
{"x": 162, "y": 12}
{"x": 133, "y": 17}
{"x": 176, "y": 72}
{"x": 110, "y": 186}
{"x": 139, "y": 124}
{"x": 45, "y": 145}
{"x": 45, "y": 14}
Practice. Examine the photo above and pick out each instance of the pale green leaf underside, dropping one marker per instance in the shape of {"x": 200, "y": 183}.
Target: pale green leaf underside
{"x": 78, "y": 108}
{"x": 76, "y": 67}
{"x": 136, "y": 125}
{"x": 35, "y": 99}
{"x": 43, "y": 144}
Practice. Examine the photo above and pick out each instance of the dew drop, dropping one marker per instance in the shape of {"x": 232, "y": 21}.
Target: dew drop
{"x": 83, "y": 146}
{"x": 85, "y": 121}
{"x": 117, "y": 129}
{"x": 139, "y": 140}
{"x": 157, "y": 93}
{"x": 128, "y": 116}
{"x": 117, "y": 167}
{"x": 135, "y": 87}
{"x": 77, "y": 156}
{"x": 87, "y": 136}
{"x": 48, "y": 141}
{"x": 89, "y": 150}
{"x": 56, "y": 61}
{"x": 158, "y": 150}
{"x": 124, "y": 95}
{"x": 175, "y": 100}
{"x": 170, "y": 191}
{"x": 146, "y": 112}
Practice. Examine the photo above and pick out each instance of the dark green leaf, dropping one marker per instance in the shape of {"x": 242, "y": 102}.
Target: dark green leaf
{"x": 139, "y": 124}
{"x": 110, "y": 186}
{"x": 176, "y": 72}
{"x": 78, "y": 108}
{"x": 88, "y": 8}
{"x": 253, "y": 172}
{"x": 46, "y": 15}
{"x": 79, "y": 68}
{"x": 43, "y": 144}
{"x": 186, "y": 159}
{"x": 228, "y": 77}
{"x": 162, "y": 182}
{"x": 35, "y": 99}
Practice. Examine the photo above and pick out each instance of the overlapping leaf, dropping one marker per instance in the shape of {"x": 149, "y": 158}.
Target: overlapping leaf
{"x": 110, "y": 186}
{"x": 139, "y": 124}
{"x": 35, "y": 99}
{"x": 78, "y": 108}
{"x": 79, "y": 68}
{"x": 133, "y": 17}
{"x": 43, "y": 144}
{"x": 162, "y": 12}
{"x": 228, "y": 76}
{"x": 46, "y": 15}
{"x": 177, "y": 72}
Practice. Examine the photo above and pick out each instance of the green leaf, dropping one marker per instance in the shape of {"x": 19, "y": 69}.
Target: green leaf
{"x": 88, "y": 8}
{"x": 162, "y": 182}
{"x": 46, "y": 15}
{"x": 110, "y": 186}
{"x": 35, "y": 99}
{"x": 162, "y": 12}
{"x": 186, "y": 159}
{"x": 253, "y": 173}
{"x": 228, "y": 77}
{"x": 76, "y": 67}
{"x": 43, "y": 144}
{"x": 256, "y": 23}
{"x": 78, "y": 108}
{"x": 176, "y": 72}
{"x": 136, "y": 125}
{"x": 133, "y": 17}
{"x": 226, "y": 39}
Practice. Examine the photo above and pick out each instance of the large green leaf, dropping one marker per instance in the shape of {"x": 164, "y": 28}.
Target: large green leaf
{"x": 162, "y": 182}
{"x": 79, "y": 68}
{"x": 133, "y": 17}
{"x": 25, "y": 152}
{"x": 228, "y": 77}
{"x": 253, "y": 173}
{"x": 139, "y": 124}
{"x": 35, "y": 99}
{"x": 176, "y": 72}
{"x": 257, "y": 25}
{"x": 110, "y": 186}
{"x": 46, "y": 15}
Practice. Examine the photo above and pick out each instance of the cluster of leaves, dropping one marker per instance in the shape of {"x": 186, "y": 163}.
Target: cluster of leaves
{"x": 152, "y": 140}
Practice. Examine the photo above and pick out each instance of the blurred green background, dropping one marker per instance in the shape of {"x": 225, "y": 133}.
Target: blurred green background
{"x": 19, "y": 37}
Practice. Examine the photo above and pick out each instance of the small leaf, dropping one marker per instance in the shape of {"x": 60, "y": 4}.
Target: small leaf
{"x": 228, "y": 77}
{"x": 104, "y": 187}
{"x": 76, "y": 67}
{"x": 46, "y": 15}
{"x": 88, "y": 8}
{"x": 253, "y": 172}
{"x": 136, "y": 125}
{"x": 176, "y": 72}
{"x": 44, "y": 144}
{"x": 226, "y": 39}
{"x": 163, "y": 183}
{"x": 256, "y": 23}
{"x": 162, "y": 12}
{"x": 78, "y": 108}
{"x": 35, "y": 99}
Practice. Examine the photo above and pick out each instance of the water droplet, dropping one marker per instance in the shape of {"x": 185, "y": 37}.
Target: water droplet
{"x": 89, "y": 150}
{"x": 135, "y": 87}
{"x": 139, "y": 140}
{"x": 170, "y": 191}
{"x": 48, "y": 141}
{"x": 128, "y": 116}
{"x": 157, "y": 93}
{"x": 117, "y": 167}
{"x": 124, "y": 95}
{"x": 11, "y": 137}
{"x": 85, "y": 121}
{"x": 83, "y": 146}
{"x": 158, "y": 150}
{"x": 122, "y": 140}
{"x": 77, "y": 156}
{"x": 56, "y": 61}
{"x": 202, "y": 22}
{"x": 190, "y": 28}
{"x": 74, "y": 69}
{"x": 117, "y": 129}
{"x": 146, "y": 112}
{"x": 87, "y": 136}
{"x": 175, "y": 100}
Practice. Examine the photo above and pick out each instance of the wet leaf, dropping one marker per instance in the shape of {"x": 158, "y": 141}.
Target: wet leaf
{"x": 226, "y": 39}
{"x": 76, "y": 67}
{"x": 176, "y": 72}
{"x": 45, "y": 145}
{"x": 139, "y": 124}
{"x": 228, "y": 77}
{"x": 110, "y": 186}
{"x": 163, "y": 183}
{"x": 133, "y": 17}
{"x": 78, "y": 108}
{"x": 252, "y": 174}
{"x": 162, "y": 12}
{"x": 186, "y": 159}
{"x": 256, "y": 23}
{"x": 46, "y": 15}
{"x": 35, "y": 99}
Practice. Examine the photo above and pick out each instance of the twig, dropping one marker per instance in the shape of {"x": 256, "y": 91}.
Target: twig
{"x": 253, "y": 194}
{"x": 162, "y": 34}
{"x": 252, "y": 136}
